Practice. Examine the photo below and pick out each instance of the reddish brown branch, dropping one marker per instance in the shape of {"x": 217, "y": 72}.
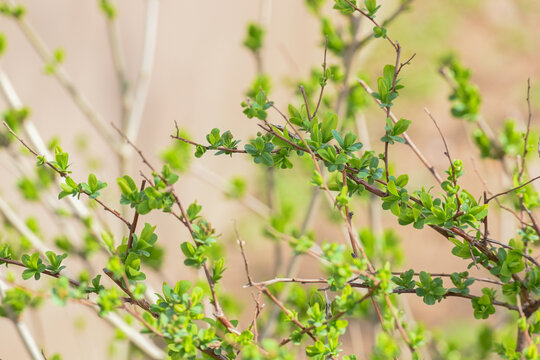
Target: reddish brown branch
{"x": 133, "y": 225}
{"x": 57, "y": 275}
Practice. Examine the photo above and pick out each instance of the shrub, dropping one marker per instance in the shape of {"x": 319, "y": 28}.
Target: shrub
{"x": 315, "y": 140}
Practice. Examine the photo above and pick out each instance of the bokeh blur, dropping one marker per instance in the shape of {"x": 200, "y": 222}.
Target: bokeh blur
{"x": 198, "y": 78}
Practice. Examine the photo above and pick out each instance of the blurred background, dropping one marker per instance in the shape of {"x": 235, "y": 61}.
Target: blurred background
{"x": 198, "y": 77}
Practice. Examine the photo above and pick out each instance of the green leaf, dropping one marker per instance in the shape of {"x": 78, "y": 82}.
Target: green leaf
{"x": 379, "y": 32}
{"x": 371, "y": 7}
{"x": 108, "y": 8}
{"x": 254, "y": 37}
{"x": 92, "y": 182}
{"x": 3, "y": 44}
{"x": 391, "y": 187}
{"x": 401, "y": 126}
{"x": 345, "y": 7}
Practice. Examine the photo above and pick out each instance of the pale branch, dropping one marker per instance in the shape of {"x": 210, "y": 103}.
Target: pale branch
{"x": 80, "y": 211}
{"x": 62, "y": 76}
{"x": 22, "y": 329}
{"x": 118, "y": 58}
{"x": 142, "y": 85}
{"x": 65, "y": 174}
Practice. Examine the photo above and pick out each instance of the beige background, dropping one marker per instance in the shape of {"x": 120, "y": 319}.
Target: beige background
{"x": 199, "y": 78}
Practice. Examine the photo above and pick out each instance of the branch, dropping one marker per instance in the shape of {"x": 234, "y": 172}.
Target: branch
{"x": 324, "y": 77}
{"x": 529, "y": 119}
{"x": 23, "y": 331}
{"x": 133, "y": 225}
{"x": 57, "y": 275}
{"x": 394, "y": 44}
{"x": 513, "y": 189}
{"x": 448, "y": 294}
{"x": 62, "y": 76}
{"x": 447, "y": 153}
{"x": 64, "y": 174}
{"x": 219, "y": 314}
{"x": 411, "y": 144}
{"x": 404, "y": 6}
{"x": 143, "y": 82}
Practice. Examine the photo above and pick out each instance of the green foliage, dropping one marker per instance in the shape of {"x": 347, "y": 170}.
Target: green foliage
{"x": 371, "y": 7}
{"x": 335, "y": 42}
{"x": 93, "y": 186}
{"x": 15, "y": 301}
{"x": 387, "y": 86}
{"x": 461, "y": 281}
{"x": 261, "y": 150}
{"x": 57, "y": 59}
{"x": 34, "y": 265}
{"x": 254, "y": 37}
{"x": 405, "y": 280}
{"x": 257, "y": 107}
{"x": 108, "y": 9}
{"x": 3, "y": 44}
{"x": 237, "y": 188}
{"x": 178, "y": 155}
{"x": 315, "y": 5}
{"x": 14, "y": 11}
{"x": 152, "y": 197}
{"x": 393, "y": 131}
{"x": 509, "y": 262}
{"x": 60, "y": 162}
{"x": 430, "y": 290}
{"x": 14, "y": 118}
{"x": 262, "y": 82}
{"x": 465, "y": 98}
{"x": 483, "y": 306}
{"x": 312, "y": 139}
{"x": 345, "y": 6}
{"x": 379, "y": 32}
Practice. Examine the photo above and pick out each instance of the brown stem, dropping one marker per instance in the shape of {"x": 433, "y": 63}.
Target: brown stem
{"x": 133, "y": 225}
{"x": 57, "y": 275}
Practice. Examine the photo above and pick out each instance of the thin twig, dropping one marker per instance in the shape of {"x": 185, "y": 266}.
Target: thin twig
{"x": 392, "y": 91}
{"x": 142, "y": 84}
{"x": 65, "y": 174}
{"x": 526, "y": 138}
{"x": 219, "y": 314}
{"x": 323, "y": 76}
{"x": 246, "y": 265}
{"x": 513, "y": 189}
{"x": 133, "y": 225}
{"x": 372, "y": 19}
{"x": 62, "y": 76}
{"x": 408, "y": 140}
{"x": 404, "y": 6}
{"x": 447, "y": 153}
{"x": 57, "y": 275}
